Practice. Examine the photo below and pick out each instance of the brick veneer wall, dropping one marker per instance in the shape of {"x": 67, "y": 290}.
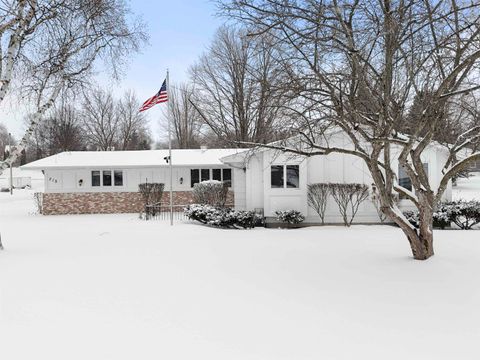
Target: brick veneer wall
{"x": 107, "y": 202}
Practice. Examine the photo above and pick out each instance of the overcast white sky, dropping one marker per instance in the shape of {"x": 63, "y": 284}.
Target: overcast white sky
{"x": 179, "y": 32}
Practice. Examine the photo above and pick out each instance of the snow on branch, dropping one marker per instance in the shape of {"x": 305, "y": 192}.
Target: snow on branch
{"x": 461, "y": 165}
{"x": 407, "y": 193}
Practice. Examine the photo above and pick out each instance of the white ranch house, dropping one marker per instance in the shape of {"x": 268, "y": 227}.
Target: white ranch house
{"x": 263, "y": 180}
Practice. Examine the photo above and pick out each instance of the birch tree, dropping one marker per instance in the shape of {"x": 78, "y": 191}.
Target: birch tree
{"x": 357, "y": 66}
{"x": 54, "y": 45}
{"x": 3, "y": 140}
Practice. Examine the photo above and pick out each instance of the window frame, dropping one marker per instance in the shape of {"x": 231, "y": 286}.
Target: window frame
{"x": 112, "y": 178}
{"x": 104, "y": 175}
{"x": 99, "y": 178}
{"x": 282, "y": 173}
{"x": 210, "y": 175}
{"x": 284, "y": 167}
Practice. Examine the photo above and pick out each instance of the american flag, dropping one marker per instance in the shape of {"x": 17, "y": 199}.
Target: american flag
{"x": 158, "y": 98}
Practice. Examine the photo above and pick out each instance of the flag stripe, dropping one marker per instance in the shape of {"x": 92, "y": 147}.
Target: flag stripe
{"x": 158, "y": 98}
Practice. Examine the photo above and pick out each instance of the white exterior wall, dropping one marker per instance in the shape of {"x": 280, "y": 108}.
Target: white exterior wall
{"x": 340, "y": 168}
{"x": 284, "y": 198}
{"x": 67, "y": 180}
{"x": 333, "y": 168}
{"x": 239, "y": 188}
{"x": 254, "y": 182}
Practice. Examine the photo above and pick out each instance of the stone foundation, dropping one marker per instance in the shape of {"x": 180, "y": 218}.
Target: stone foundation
{"x": 107, "y": 202}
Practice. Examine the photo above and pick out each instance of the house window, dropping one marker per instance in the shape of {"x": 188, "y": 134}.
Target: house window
{"x": 277, "y": 176}
{"x": 217, "y": 174}
{"x": 405, "y": 181}
{"x": 205, "y": 174}
{"x": 285, "y": 176}
{"x": 293, "y": 176}
{"x": 194, "y": 177}
{"x": 227, "y": 177}
{"x": 95, "y": 178}
{"x": 118, "y": 177}
{"x": 107, "y": 178}
{"x": 198, "y": 175}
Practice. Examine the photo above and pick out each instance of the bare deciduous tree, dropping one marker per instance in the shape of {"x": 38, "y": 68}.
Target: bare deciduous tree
{"x": 132, "y": 123}
{"x": 53, "y": 46}
{"x": 186, "y": 120}
{"x": 59, "y": 131}
{"x": 237, "y": 87}
{"x": 111, "y": 124}
{"x": 357, "y": 66}
{"x": 100, "y": 121}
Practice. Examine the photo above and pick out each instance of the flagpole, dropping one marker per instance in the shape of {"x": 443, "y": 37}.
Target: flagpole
{"x": 170, "y": 146}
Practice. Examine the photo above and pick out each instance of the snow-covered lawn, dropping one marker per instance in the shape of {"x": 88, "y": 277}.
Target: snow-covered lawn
{"x": 115, "y": 287}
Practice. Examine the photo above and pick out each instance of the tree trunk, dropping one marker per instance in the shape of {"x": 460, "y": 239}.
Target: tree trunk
{"x": 422, "y": 244}
{"x": 421, "y": 239}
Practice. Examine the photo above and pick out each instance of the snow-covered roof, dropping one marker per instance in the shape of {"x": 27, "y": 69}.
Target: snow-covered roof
{"x": 126, "y": 159}
{"x": 19, "y": 172}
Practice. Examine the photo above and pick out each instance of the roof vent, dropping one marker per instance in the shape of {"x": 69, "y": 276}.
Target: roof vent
{"x": 204, "y": 148}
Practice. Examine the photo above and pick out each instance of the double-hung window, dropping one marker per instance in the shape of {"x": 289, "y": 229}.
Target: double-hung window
{"x": 118, "y": 177}
{"x": 107, "y": 178}
{"x": 285, "y": 176}
{"x": 95, "y": 178}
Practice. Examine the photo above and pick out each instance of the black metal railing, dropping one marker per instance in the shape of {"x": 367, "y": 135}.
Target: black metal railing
{"x": 162, "y": 212}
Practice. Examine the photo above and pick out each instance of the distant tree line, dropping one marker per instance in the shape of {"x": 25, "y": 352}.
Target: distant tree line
{"x": 95, "y": 121}
{"x": 235, "y": 94}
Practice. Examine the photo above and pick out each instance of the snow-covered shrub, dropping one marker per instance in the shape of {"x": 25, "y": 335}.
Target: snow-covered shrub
{"x": 211, "y": 192}
{"x": 317, "y": 197}
{"x": 465, "y": 214}
{"x": 221, "y": 217}
{"x": 290, "y": 216}
{"x": 412, "y": 217}
{"x": 441, "y": 218}
{"x": 247, "y": 219}
{"x": 348, "y": 198}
